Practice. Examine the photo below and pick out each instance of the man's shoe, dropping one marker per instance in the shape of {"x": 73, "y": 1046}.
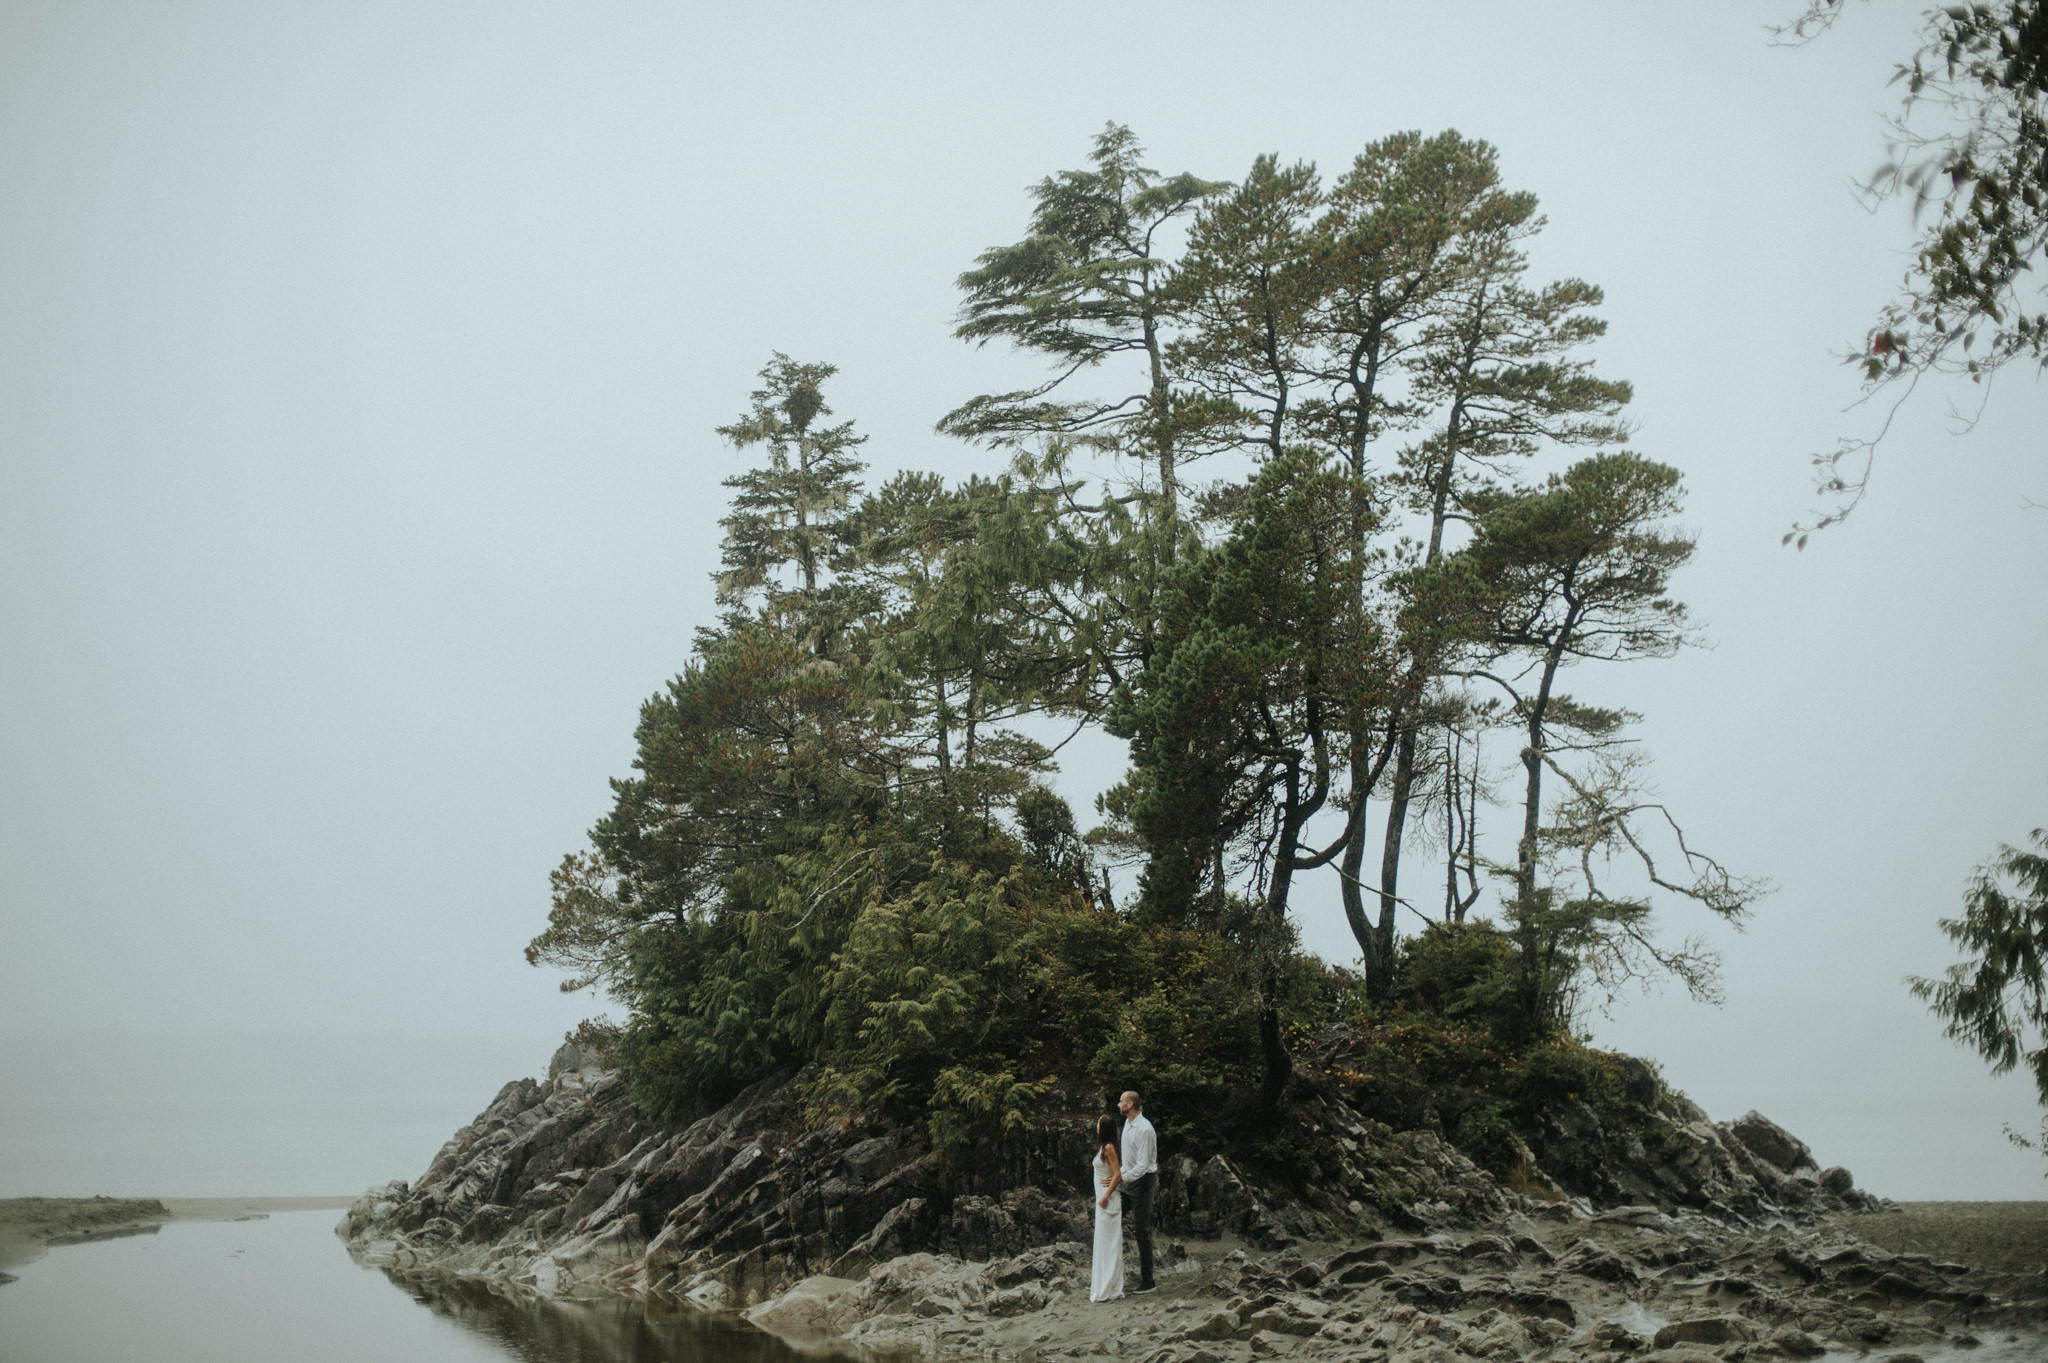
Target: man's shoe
{"x": 1145, "y": 1287}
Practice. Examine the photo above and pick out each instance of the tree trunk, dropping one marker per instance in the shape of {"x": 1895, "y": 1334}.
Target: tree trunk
{"x": 1390, "y": 847}
{"x": 1348, "y": 888}
{"x": 1530, "y": 989}
{"x": 1273, "y": 1049}
{"x": 1279, "y": 1064}
{"x": 941, "y": 720}
{"x": 1162, "y": 438}
{"x": 1364, "y": 377}
{"x": 1404, "y": 759}
{"x": 1461, "y": 826}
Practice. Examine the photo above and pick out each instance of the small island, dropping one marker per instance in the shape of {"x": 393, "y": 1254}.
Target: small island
{"x": 1729, "y": 1244}
{"x": 880, "y": 984}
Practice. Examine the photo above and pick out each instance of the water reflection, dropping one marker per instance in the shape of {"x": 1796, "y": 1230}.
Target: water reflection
{"x": 619, "y": 1331}
{"x": 284, "y": 1290}
{"x": 87, "y": 1237}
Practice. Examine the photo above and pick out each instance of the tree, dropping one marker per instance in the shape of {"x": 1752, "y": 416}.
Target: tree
{"x": 836, "y": 851}
{"x": 1381, "y": 249}
{"x": 1301, "y": 308}
{"x": 1974, "y": 298}
{"x": 951, "y": 635}
{"x": 928, "y": 997}
{"x": 767, "y": 746}
{"x": 794, "y": 512}
{"x": 1299, "y": 316}
{"x": 1237, "y": 723}
{"x": 1997, "y": 1001}
{"x": 1090, "y": 283}
{"x": 798, "y": 781}
{"x": 1245, "y": 290}
{"x": 1462, "y": 786}
{"x": 757, "y": 753}
{"x": 1576, "y": 571}
{"x": 1499, "y": 365}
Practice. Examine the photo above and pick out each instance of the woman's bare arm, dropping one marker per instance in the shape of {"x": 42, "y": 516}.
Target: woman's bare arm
{"x": 1116, "y": 1174}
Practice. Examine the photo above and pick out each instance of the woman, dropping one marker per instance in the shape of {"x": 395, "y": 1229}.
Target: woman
{"x": 1106, "y": 1277}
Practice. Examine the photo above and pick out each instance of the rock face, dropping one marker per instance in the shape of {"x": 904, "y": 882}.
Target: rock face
{"x": 1671, "y": 1157}
{"x": 1607, "y": 1288}
{"x": 563, "y": 1188}
{"x": 1397, "y": 1245}
{"x": 1681, "y": 1289}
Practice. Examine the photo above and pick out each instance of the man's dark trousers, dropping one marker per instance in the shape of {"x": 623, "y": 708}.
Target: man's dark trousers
{"x": 1138, "y": 1205}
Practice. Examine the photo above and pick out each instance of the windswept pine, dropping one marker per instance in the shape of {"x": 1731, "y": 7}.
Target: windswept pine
{"x": 842, "y": 850}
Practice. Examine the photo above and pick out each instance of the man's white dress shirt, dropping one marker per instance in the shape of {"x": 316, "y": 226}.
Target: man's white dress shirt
{"x": 1139, "y": 1148}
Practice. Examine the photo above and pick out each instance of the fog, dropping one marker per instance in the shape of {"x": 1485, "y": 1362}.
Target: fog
{"x": 359, "y": 367}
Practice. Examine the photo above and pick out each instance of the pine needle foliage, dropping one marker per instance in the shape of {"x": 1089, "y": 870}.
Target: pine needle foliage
{"x": 839, "y": 851}
{"x": 1996, "y": 1002}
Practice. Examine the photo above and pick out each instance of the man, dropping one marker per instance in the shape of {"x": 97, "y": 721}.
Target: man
{"x": 1139, "y": 1150}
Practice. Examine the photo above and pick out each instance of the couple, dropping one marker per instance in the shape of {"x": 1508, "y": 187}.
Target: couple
{"x": 1127, "y": 1169}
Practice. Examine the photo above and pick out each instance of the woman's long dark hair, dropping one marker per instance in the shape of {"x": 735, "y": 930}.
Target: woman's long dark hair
{"x": 1105, "y": 1130}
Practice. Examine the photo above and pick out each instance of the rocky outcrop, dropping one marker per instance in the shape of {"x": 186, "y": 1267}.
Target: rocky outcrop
{"x": 1664, "y": 1151}
{"x": 1612, "y": 1287}
{"x": 562, "y": 1188}
{"x": 1703, "y": 1240}
{"x": 1632, "y": 1283}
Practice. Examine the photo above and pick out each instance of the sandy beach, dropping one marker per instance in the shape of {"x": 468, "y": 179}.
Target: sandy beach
{"x": 2010, "y": 1237}
{"x": 29, "y": 1226}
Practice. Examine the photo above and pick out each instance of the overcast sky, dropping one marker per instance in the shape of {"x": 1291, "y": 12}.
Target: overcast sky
{"x": 359, "y": 366}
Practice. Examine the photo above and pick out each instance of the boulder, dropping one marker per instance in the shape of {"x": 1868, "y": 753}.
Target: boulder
{"x": 1045, "y": 1264}
{"x": 572, "y": 1059}
{"x": 1216, "y": 1325}
{"x": 982, "y": 1229}
{"x": 1291, "y": 1316}
{"x": 1706, "y": 1330}
{"x": 563, "y": 1187}
{"x": 1616, "y": 1337}
{"x": 870, "y": 1159}
{"x": 817, "y": 1307}
{"x": 583, "y": 1263}
{"x": 1015, "y": 1301}
{"x": 1771, "y": 1143}
{"x": 899, "y": 1230}
{"x": 1797, "y": 1344}
{"x": 1588, "y": 1259}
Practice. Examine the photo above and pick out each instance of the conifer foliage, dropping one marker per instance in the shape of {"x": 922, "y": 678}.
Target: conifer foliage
{"x": 840, "y": 850}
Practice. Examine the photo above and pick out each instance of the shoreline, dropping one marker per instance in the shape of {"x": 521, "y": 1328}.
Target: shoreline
{"x": 2008, "y": 1237}
{"x": 1625, "y": 1283}
{"x": 1689, "y": 1235}
{"x": 1616, "y": 1281}
{"x": 31, "y": 1226}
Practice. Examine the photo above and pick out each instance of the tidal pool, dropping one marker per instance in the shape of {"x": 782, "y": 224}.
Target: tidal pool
{"x": 284, "y": 1288}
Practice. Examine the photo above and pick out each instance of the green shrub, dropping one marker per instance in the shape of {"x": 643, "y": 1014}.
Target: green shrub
{"x": 1620, "y": 1090}
{"x": 1485, "y": 1131}
{"x": 925, "y": 978}
{"x": 1486, "y": 1096}
{"x": 1458, "y": 970}
{"x": 971, "y": 1104}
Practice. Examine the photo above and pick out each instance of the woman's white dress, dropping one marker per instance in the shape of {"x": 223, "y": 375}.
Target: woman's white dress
{"x": 1106, "y": 1276}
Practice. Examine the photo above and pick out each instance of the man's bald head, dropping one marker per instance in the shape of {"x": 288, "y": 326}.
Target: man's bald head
{"x": 1129, "y": 1104}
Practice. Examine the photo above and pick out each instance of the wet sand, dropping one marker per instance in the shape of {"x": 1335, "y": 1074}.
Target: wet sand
{"x": 2008, "y": 1237}
{"x": 30, "y": 1225}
